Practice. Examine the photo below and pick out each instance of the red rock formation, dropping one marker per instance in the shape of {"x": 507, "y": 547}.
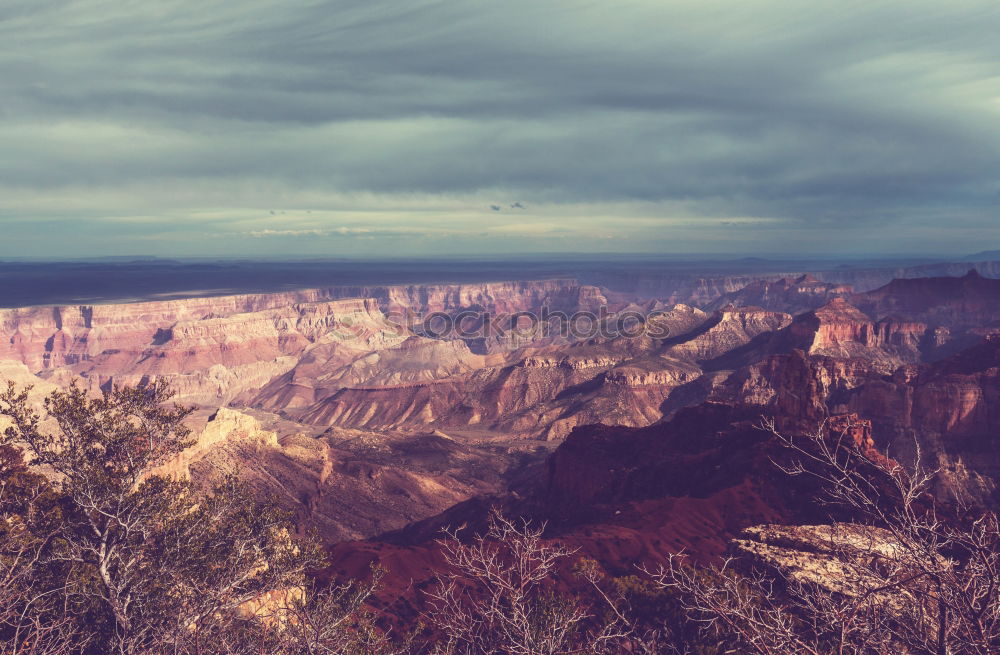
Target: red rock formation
{"x": 949, "y": 407}
{"x": 624, "y": 497}
{"x": 971, "y": 298}
{"x": 493, "y": 297}
{"x": 957, "y": 310}
{"x": 214, "y": 349}
{"x": 840, "y": 330}
{"x": 537, "y": 392}
{"x": 630, "y": 495}
{"x": 690, "y": 479}
{"x": 732, "y": 328}
{"x": 343, "y": 484}
{"x": 792, "y": 295}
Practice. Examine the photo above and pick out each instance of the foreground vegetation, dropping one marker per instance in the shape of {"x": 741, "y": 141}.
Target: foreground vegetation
{"x": 101, "y": 553}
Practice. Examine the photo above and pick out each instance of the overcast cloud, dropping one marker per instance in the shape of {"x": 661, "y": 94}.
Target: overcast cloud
{"x": 185, "y": 127}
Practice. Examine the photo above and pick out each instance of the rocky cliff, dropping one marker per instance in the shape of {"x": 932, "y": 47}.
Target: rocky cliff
{"x": 792, "y": 295}
{"x": 214, "y": 349}
{"x": 545, "y": 391}
{"x": 345, "y": 484}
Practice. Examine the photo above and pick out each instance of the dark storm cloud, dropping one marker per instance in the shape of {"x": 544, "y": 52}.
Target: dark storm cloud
{"x": 817, "y": 114}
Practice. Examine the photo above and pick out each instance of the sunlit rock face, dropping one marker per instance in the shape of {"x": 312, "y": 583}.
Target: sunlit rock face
{"x": 21, "y": 376}
{"x": 341, "y": 483}
{"x": 842, "y": 331}
{"x": 214, "y": 349}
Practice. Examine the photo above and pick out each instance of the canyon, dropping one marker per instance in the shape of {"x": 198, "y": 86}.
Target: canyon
{"x": 377, "y": 415}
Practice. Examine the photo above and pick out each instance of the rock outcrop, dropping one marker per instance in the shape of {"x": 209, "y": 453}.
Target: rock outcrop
{"x": 214, "y": 434}
{"x": 791, "y": 295}
{"x": 346, "y": 484}
{"x": 840, "y": 330}
{"x": 956, "y": 311}
{"x": 18, "y": 373}
{"x": 838, "y": 558}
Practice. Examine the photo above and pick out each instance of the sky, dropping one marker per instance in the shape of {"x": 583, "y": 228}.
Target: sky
{"x": 424, "y": 127}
